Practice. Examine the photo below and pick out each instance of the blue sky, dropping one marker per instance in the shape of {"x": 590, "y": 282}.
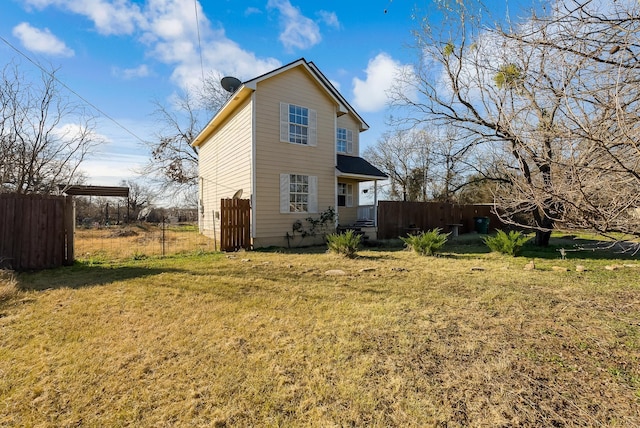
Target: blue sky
{"x": 120, "y": 55}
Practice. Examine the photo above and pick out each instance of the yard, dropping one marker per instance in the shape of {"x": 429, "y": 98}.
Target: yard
{"x": 284, "y": 339}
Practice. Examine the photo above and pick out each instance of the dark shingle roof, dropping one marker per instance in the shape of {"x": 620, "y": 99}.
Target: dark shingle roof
{"x": 359, "y": 166}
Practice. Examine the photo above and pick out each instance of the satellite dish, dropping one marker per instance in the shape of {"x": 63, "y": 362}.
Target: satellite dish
{"x": 237, "y": 195}
{"x": 230, "y": 84}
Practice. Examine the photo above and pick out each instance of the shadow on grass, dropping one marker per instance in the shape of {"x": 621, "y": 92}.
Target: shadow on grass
{"x": 573, "y": 247}
{"x": 83, "y": 275}
{"x": 579, "y": 248}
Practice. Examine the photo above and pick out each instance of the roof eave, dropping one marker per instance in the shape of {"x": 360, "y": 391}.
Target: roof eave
{"x": 359, "y": 177}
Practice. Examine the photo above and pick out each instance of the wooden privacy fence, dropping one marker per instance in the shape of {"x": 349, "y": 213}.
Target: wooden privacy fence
{"x": 398, "y": 218}
{"x": 235, "y": 227}
{"x": 36, "y": 231}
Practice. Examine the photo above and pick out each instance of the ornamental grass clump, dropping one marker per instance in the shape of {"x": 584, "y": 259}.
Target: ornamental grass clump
{"x": 346, "y": 244}
{"x": 426, "y": 243}
{"x": 8, "y": 285}
{"x": 504, "y": 243}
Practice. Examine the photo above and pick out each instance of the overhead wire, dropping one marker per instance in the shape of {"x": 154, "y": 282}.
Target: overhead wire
{"x": 195, "y": 6}
{"x": 53, "y": 76}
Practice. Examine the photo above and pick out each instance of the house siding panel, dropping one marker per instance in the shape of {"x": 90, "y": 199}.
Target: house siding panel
{"x": 274, "y": 157}
{"x": 225, "y": 165}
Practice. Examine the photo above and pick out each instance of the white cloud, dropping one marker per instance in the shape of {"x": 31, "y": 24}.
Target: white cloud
{"x": 168, "y": 29}
{"x": 173, "y": 37}
{"x": 370, "y": 95}
{"x": 41, "y": 41}
{"x": 299, "y": 32}
{"x": 329, "y": 18}
{"x": 74, "y": 131}
{"x": 109, "y": 17}
{"x": 131, "y": 73}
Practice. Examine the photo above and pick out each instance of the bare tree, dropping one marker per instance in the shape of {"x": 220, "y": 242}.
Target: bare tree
{"x": 404, "y": 155}
{"x": 600, "y": 166}
{"x": 554, "y": 118}
{"x": 174, "y": 162}
{"x": 44, "y": 137}
{"x": 140, "y": 196}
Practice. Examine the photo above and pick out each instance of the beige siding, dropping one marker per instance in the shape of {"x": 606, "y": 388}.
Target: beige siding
{"x": 225, "y": 166}
{"x": 347, "y": 121}
{"x": 273, "y": 157}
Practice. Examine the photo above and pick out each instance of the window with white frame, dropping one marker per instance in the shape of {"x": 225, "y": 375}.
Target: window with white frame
{"x": 298, "y": 193}
{"x": 344, "y": 140}
{"x": 345, "y": 195}
{"x": 297, "y": 124}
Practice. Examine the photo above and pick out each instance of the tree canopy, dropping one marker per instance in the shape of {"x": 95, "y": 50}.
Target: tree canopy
{"x": 553, "y": 99}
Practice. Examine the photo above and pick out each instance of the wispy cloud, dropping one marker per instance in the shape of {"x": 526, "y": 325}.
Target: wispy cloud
{"x": 109, "y": 17}
{"x": 41, "y": 41}
{"x": 329, "y": 18}
{"x": 252, "y": 11}
{"x": 131, "y": 73}
{"x": 298, "y": 32}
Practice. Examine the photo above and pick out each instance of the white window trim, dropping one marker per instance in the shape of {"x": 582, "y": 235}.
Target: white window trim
{"x": 348, "y": 197}
{"x": 312, "y": 201}
{"x": 312, "y": 132}
{"x": 349, "y": 141}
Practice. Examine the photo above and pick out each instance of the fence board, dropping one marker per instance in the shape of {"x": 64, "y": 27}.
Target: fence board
{"x": 398, "y": 218}
{"x": 34, "y": 230}
{"x": 235, "y": 229}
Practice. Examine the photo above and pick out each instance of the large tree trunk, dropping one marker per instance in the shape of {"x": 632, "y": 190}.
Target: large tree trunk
{"x": 542, "y": 238}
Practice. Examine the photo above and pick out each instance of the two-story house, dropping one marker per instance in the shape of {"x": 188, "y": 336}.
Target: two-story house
{"x": 290, "y": 141}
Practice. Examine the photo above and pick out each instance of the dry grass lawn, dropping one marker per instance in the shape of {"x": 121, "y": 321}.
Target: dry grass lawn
{"x": 269, "y": 339}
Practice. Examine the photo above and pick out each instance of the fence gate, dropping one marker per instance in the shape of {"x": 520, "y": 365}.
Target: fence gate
{"x": 36, "y": 231}
{"x": 235, "y": 228}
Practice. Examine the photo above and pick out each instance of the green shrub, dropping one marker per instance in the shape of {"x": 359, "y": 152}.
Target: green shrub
{"x": 426, "y": 243}
{"x": 346, "y": 243}
{"x": 504, "y": 243}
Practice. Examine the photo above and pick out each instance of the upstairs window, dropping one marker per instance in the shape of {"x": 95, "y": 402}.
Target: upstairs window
{"x": 297, "y": 124}
{"x": 344, "y": 140}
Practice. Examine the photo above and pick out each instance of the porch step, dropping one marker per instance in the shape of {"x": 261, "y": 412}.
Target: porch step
{"x": 364, "y": 223}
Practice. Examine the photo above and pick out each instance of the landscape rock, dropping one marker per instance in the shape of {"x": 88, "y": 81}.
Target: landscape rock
{"x": 559, "y": 268}
{"x": 369, "y": 269}
{"x": 580, "y": 268}
{"x": 245, "y": 260}
{"x": 613, "y": 267}
{"x": 335, "y": 272}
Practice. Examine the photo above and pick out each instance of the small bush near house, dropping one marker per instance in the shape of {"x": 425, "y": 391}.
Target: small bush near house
{"x": 506, "y": 243}
{"x": 426, "y": 243}
{"x": 346, "y": 243}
